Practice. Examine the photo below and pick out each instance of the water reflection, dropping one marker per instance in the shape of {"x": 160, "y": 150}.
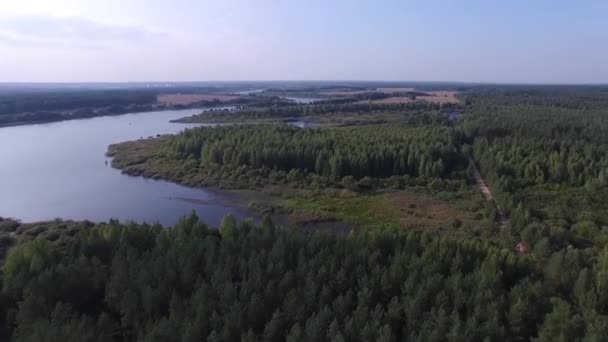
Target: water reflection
{"x": 60, "y": 170}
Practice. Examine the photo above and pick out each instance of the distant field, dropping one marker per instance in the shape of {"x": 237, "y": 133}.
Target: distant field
{"x": 395, "y": 90}
{"x": 441, "y": 97}
{"x": 396, "y": 99}
{"x": 187, "y": 99}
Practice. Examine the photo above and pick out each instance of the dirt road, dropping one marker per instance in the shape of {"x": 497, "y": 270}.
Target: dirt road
{"x": 487, "y": 194}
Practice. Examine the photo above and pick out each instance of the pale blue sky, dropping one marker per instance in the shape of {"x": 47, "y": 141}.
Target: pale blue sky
{"x": 533, "y": 41}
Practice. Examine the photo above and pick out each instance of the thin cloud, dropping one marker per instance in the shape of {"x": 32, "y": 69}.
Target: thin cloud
{"x": 70, "y": 32}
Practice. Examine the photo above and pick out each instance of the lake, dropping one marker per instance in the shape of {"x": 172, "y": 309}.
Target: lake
{"x": 58, "y": 170}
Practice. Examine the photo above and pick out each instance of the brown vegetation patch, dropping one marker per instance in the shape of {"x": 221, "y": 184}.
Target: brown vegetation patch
{"x": 439, "y": 96}
{"x": 420, "y": 210}
{"x": 188, "y": 99}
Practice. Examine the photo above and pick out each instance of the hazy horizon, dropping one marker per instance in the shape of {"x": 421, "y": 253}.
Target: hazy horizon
{"x": 519, "y": 42}
{"x": 345, "y": 82}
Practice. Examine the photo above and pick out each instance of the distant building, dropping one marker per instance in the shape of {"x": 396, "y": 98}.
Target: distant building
{"x": 522, "y": 247}
{"x": 453, "y": 115}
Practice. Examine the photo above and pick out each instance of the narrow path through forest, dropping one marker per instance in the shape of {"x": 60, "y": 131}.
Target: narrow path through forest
{"x": 487, "y": 194}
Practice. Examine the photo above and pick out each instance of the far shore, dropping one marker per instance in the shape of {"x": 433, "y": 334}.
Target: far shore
{"x": 150, "y": 110}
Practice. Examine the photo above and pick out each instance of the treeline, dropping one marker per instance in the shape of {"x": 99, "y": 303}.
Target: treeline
{"x": 376, "y": 152}
{"x": 14, "y": 103}
{"x": 520, "y": 162}
{"x": 570, "y": 97}
{"x": 260, "y": 283}
{"x": 534, "y": 121}
{"x": 324, "y": 109}
{"x": 80, "y": 113}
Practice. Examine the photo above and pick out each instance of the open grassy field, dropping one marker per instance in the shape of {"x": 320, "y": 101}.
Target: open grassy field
{"x": 407, "y": 209}
{"x": 405, "y": 95}
{"x": 415, "y": 208}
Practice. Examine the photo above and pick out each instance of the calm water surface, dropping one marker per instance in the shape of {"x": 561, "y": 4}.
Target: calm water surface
{"x": 59, "y": 170}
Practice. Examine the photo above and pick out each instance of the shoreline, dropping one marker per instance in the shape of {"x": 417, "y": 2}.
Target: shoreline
{"x": 291, "y": 205}
{"x": 150, "y": 110}
{"x": 131, "y": 159}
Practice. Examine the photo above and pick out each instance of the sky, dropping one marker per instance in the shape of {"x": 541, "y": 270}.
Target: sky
{"x": 515, "y": 41}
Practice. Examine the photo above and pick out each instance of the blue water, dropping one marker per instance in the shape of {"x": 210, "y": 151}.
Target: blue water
{"x": 58, "y": 170}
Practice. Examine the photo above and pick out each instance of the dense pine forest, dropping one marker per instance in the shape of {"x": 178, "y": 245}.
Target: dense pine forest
{"x": 427, "y": 258}
{"x": 325, "y": 110}
{"x": 545, "y": 155}
{"x": 375, "y": 152}
{"x": 262, "y": 283}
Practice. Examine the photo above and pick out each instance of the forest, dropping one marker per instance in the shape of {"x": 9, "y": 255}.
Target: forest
{"x": 100, "y": 282}
{"x": 544, "y": 153}
{"x": 359, "y": 152}
{"x": 337, "y": 109}
{"x": 426, "y": 256}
